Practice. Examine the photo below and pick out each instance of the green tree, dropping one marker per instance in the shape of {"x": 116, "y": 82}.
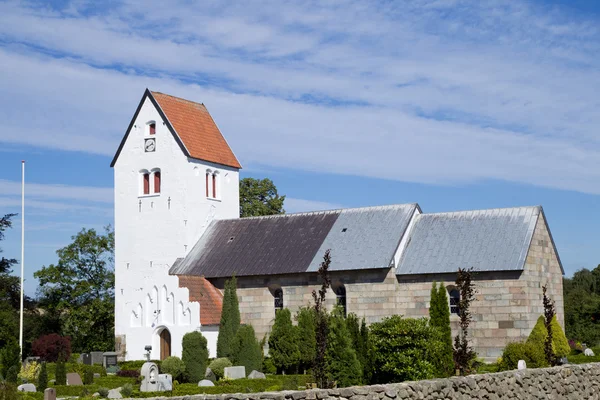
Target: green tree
{"x": 248, "y": 352}
{"x": 322, "y": 324}
{"x": 464, "y": 355}
{"x": 439, "y": 314}
{"x": 194, "y": 355}
{"x": 174, "y": 366}
{"x": 230, "y": 320}
{"x": 364, "y": 352}
{"x": 42, "y": 383}
{"x": 80, "y": 289}
{"x": 343, "y": 366}
{"x": 259, "y": 197}
{"x": 10, "y": 361}
{"x": 307, "y": 342}
{"x": 60, "y": 374}
{"x": 539, "y": 333}
{"x": 582, "y": 306}
{"x": 283, "y": 342}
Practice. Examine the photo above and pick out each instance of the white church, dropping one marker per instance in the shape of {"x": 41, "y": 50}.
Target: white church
{"x": 178, "y": 237}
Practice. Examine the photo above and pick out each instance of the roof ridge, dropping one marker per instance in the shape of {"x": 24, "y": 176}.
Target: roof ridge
{"x": 539, "y": 207}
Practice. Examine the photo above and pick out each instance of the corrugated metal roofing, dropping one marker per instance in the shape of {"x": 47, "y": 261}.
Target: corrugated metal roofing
{"x": 485, "y": 240}
{"x": 365, "y": 238}
{"x": 258, "y": 246}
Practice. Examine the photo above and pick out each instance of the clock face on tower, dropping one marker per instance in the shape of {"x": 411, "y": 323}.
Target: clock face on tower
{"x": 150, "y": 145}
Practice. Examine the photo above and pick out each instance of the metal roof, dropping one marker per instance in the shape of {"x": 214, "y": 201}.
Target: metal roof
{"x": 365, "y": 238}
{"x": 485, "y": 240}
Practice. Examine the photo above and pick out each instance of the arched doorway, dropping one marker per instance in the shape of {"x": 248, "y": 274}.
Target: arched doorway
{"x": 165, "y": 344}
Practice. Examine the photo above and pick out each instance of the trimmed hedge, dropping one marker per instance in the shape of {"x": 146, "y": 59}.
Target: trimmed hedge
{"x": 194, "y": 356}
{"x": 217, "y": 366}
{"x": 173, "y": 365}
{"x": 513, "y": 352}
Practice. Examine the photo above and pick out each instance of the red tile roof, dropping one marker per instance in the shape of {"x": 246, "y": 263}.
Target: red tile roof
{"x": 209, "y": 297}
{"x": 197, "y": 130}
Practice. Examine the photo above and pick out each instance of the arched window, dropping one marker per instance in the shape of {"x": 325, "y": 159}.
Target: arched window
{"x": 156, "y": 181}
{"x": 152, "y": 128}
{"x": 146, "y": 183}
{"x": 278, "y": 299}
{"x": 340, "y": 294}
{"x": 207, "y": 177}
{"x": 214, "y": 185}
{"x": 454, "y": 300}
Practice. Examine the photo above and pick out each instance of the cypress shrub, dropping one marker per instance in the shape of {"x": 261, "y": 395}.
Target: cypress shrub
{"x": 343, "y": 366}
{"x": 538, "y": 335}
{"x": 10, "y": 361}
{"x": 230, "y": 320}
{"x": 283, "y": 342}
{"x": 61, "y": 374}
{"x": 363, "y": 352}
{"x": 88, "y": 376}
{"x": 307, "y": 342}
{"x": 42, "y": 378}
{"x": 439, "y": 313}
{"x": 248, "y": 352}
{"x": 194, "y": 356}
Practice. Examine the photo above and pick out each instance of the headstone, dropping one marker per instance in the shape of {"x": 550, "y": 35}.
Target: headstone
{"x": 210, "y": 375}
{"x": 238, "y": 372}
{"x": 96, "y": 375}
{"x": 149, "y": 375}
{"x": 589, "y": 352}
{"x": 109, "y": 359}
{"x": 165, "y": 383}
{"x": 521, "y": 364}
{"x": 97, "y": 357}
{"x": 26, "y": 387}
{"x": 73, "y": 379}
{"x": 32, "y": 359}
{"x": 563, "y": 361}
{"x": 256, "y": 375}
{"x": 205, "y": 382}
{"x": 85, "y": 358}
{"x": 50, "y": 394}
{"x": 115, "y": 394}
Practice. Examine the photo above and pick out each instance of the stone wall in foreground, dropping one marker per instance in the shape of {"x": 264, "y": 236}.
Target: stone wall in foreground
{"x": 576, "y": 382}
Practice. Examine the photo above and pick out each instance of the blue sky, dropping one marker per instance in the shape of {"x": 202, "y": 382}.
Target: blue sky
{"x": 454, "y": 104}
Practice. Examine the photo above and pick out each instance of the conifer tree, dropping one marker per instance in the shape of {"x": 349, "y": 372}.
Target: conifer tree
{"x": 248, "y": 351}
{"x": 343, "y": 366}
{"x": 441, "y": 320}
{"x": 363, "y": 352}
{"x": 42, "y": 378}
{"x": 10, "y": 361}
{"x": 194, "y": 356}
{"x": 61, "y": 373}
{"x": 283, "y": 342}
{"x": 230, "y": 320}
{"x": 434, "y": 309}
{"x": 307, "y": 343}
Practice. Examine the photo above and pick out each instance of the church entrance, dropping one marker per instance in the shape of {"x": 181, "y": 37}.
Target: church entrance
{"x": 165, "y": 344}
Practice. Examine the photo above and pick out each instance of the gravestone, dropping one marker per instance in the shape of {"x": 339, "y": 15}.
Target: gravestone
{"x": 115, "y": 394}
{"x": 96, "y": 375}
{"x": 521, "y": 364}
{"x": 73, "y": 379}
{"x": 149, "y": 375}
{"x": 26, "y": 387}
{"x": 238, "y": 372}
{"x": 165, "y": 382}
{"x": 31, "y": 359}
{"x": 256, "y": 375}
{"x": 97, "y": 357}
{"x": 85, "y": 358}
{"x": 205, "y": 383}
{"x": 588, "y": 352}
{"x": 210, "y": 375}
{"x": 50, "y": 394}
{"x": 109, "y": 359}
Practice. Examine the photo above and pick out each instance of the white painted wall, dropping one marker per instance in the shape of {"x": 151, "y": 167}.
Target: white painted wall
{"x": 152, "y": 231}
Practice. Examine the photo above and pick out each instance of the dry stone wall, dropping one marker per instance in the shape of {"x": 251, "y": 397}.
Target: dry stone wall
{"x": 568, "y": 382}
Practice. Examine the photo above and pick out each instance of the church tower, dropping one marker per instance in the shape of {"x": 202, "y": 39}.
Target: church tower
{"x": 174, "y": 173}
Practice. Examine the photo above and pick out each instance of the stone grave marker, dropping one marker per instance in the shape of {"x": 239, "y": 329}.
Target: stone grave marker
{"x": 205, "y": 383}
{"x": 50, "y": 394}
{"x": 256, "y": 375}
{"x": 97, "y": 357}
{"x": 521, "y": 364}
{"x": 589, "y": 352}
{"x": 149, "y": 375}
{"x": 109, "y": 359}
{"x": 85, "y": 358}
{"x": 115, "y": 394}
{"x": 238, "y": 372}
{"x": 165, "y": 382}
{"x": 73, "y": 379}
{"x": 210, "y": 375}
{"x": 26, "y": 387}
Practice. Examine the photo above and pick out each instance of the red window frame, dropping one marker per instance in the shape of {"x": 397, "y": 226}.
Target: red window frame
{"x": 157, "y": 182}
{"x": 146, "y": 183}
{"x": 214, "y": 184}
{"x": 152, "y": 128}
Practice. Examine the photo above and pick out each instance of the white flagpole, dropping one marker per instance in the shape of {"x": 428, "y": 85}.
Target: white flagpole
{"x": 22, "y": 251}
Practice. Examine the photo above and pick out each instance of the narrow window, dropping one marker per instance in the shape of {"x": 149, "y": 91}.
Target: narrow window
{"x": 207, "y": 193}
{"x": 454, "y": 301}
{"x": 278, "y": 299}
{"x": 214, "y": 184}
{"x": 152, "y": 128}
{"x": 157, "y": 182}
{"x": 146, "y": 183}
{"x": 340, "y": 294}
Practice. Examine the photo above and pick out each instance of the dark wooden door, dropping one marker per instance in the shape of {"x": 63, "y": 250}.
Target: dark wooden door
{"x": 165, "y": 344}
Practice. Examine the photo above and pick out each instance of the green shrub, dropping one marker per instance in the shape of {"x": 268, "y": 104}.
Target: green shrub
{"x": 230, "y": 320}
{"x": 42, "y": 378}
{"x": 8, "y": 391}
{"x": 127, "y": 390}
{"x": 343, "y": 366}
{"x": 404, "y": 349}
{"x": 307, "y": 342}
{"x": 268, "y": 367}
{"x": 10, "y": 360}
{"x": 532, "y": 354}
{"x": 61, "y": 373}
{"x": 174, "y": 366}
{"x": 135, "y": 365}
{"x": 538, "y": 335}
{"x": 439, "y": 314}
{"x": 283, "y": 342}
{"x": 248, "y": 352}
{"x": 218, "y": 365}
{"x": 88, "y": 376}
{"x": 103, "y": 392}
{"x": 194, "y": 356}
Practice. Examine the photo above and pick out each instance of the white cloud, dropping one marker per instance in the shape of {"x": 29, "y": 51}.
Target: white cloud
{"x": 57, "y": 191}
{"x": 438, "y": 92}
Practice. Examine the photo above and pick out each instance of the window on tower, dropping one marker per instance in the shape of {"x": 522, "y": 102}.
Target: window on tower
{"x": 157, "y": 181}
{"x": 146, "y": 183}
{"x": 152, "y": 128}
{"x": 207, "y": 183}
{"x": 212, "y": 184}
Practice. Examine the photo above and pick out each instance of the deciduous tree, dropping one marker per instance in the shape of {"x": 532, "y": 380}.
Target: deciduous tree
{"x": 259, "y": 197}
{"x": 463, "y": 351}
